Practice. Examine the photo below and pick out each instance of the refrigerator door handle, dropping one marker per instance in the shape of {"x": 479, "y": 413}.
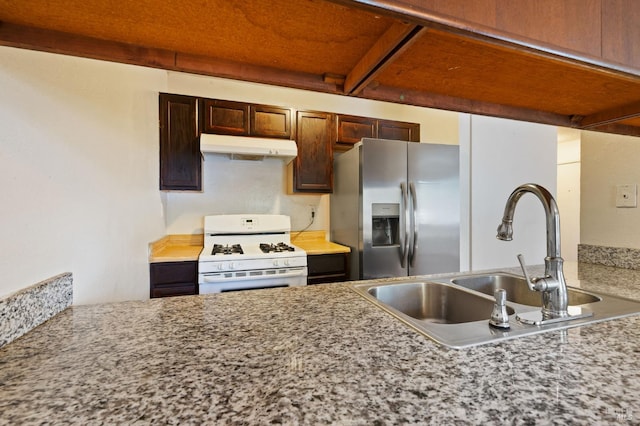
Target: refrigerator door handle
{"x": 404, "y": 229}
{"x": 413, "y": 244}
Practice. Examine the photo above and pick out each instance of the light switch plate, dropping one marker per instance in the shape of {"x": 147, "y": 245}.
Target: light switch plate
{"x": 626, "y": 195}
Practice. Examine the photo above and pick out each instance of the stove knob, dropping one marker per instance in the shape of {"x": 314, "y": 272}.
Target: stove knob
{"x": 286, "y": 262}
{"x": 231, "y": 265}
{"x": 219, "y": 265}
{"x": 275, "y": 263}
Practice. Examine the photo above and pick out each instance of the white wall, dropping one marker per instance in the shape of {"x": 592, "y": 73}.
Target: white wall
{"x": 79, "y": 173}
{"x": 608, "y": 160}
{"x": 79, "y": 168}
{"x": 464, "y": 132}
{"x": 504, "y": 155}
{"x": 231, "y": 186}
{"x": 569, "y": 191}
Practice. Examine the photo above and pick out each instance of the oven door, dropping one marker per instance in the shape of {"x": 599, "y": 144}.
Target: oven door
{"x": 217, "y": 282}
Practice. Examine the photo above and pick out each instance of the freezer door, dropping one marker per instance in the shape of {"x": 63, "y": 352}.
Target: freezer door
{"x": 433, "y": 175}
{"x": 384, "y": 228}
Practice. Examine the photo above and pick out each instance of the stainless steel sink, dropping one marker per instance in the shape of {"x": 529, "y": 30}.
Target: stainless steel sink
{"x": 454, "y": 310}
{"x": 517, "y": 289}
{"x": 434, "y": 302}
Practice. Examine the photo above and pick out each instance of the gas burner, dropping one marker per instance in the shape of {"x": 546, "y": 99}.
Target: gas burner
{"x": 220, "y": 249}
{"x": 275, "y": 248}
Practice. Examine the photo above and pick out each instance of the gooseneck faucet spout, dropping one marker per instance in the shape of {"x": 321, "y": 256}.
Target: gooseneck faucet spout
{"x": 552, "y": 285}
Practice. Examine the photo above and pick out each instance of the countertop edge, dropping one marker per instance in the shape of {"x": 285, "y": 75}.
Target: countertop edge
{"x": 187, "y": 247}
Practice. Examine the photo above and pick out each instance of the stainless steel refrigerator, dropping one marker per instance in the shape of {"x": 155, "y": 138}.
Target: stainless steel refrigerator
{"x": 397, "y": 205}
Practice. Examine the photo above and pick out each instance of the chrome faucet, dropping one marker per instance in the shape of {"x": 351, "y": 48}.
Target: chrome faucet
{"x": 552, "y": 285}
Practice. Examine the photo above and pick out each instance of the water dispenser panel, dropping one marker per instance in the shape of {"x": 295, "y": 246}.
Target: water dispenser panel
{"x": 385, "y": 223}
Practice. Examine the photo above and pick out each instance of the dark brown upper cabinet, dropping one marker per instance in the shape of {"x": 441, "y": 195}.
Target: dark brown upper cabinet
{"x": 398, "y": 130}
{"x": 244, "y": 119}
{"x": 317, "y": 135}
{"x": 313, "y": 167}
{"x": 180, "y": 158}
{"x": 226, "y": 117}
{"x": 270, "y": 121}
{"x": 350, "y": 129}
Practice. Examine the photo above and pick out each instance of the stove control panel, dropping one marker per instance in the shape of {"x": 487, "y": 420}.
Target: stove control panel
{"x": 253, "y": 264}
{"x": 249, "y": 223}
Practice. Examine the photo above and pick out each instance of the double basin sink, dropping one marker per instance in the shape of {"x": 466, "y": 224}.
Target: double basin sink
{"x": 454, "y": 311}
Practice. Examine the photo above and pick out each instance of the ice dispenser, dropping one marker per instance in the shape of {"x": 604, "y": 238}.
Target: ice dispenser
{"x": 385, "y": 219}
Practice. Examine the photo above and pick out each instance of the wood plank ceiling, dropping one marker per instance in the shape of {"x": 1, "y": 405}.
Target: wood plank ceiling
{"x": 324, "y": 46}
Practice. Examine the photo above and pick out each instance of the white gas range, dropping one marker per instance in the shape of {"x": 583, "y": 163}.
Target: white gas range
{"x": 246, "y": 251}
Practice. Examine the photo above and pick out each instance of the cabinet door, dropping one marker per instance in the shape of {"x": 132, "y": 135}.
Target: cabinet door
{"x": 270, "y": 122}
{"x": 226, "y": 117}
{"x": 621, "y": 32}
{"x": 180, "y": 160}
{"x": 173, "y": 278}
{"x": 327, "y": 268}
{"x": 313, "y": 167}
{"x": 351, "y": 129}
{"x": 398, "y": 130}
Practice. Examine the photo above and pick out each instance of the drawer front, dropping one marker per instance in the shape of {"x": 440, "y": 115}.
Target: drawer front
{"x": 174, "y": 272}
{"x": 179, "y": 289}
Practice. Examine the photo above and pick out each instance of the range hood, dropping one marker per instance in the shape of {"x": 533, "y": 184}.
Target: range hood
{"x": 248, "y": 148}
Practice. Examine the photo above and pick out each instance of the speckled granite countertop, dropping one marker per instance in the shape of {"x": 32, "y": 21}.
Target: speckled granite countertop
{"x": 313, "y": 355}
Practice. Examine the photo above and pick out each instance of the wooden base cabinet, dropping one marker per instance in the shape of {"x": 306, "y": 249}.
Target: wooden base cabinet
{"x": 173, "y": 278}
{"x": 328, "y": 268}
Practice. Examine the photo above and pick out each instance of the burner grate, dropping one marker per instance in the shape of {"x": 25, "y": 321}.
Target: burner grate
{"x": 275, "y": 248}
{"x": 233, "y": 249}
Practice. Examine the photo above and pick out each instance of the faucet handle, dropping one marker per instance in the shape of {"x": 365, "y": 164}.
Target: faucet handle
{"x": 537, "y": 284}
{"x": 526, "y": 275}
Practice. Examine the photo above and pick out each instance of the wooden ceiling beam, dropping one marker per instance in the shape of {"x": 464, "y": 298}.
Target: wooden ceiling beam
{"x": 434, "y": 100}
{"x": 205, "y": 65}
{"x": 610, "y": 120}
{"x": 438, "y": 101}
{"x": 51, "y": 41}
{"x": 392, "y": 43}
{"x": 620, "y": 129}
{"x": 88, "y": 47}
{"x": 610, "y": 116}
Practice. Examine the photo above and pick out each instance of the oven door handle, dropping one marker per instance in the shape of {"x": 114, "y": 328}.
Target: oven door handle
{"x": 217, "y": 279}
